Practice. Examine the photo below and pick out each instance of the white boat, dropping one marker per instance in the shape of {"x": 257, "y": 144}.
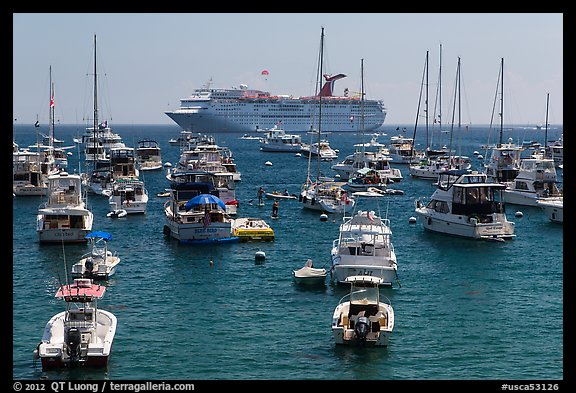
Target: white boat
{"x": 402, "y": 150}
{"x": 148, "y": 155}
{"x": 364, "y": 246}
{"x": 118, "y": 213}
{"x": 99, "y": 263}
{"x": 504, "y": 163}
{"x": 308, "y": 274}
{"x": 195, "y": 218}
{"x": 122, "y": 166}
{"x": 83, "y": 334}
{"x": 277, "y": 140}
{"x": 364, "y": 178}
{"x": 361, "y": 318}
{"x": 536, "y": 180}
{"x": 64, "y": 217}
{"x": 553, "y": 207}
{"x": 27, "y": 176}
{"x": 278, "y": 195}
{"x": 468, "y": 205}
{"x": 378, "y": 161}
{"x": 325, "y": 152}
{"x": 129, "y": 195}
{"x": 329, "y": 197}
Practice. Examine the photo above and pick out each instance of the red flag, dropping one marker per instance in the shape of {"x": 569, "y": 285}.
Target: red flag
{"x": 52, "y": 102}
{"x": 369, "y": 215}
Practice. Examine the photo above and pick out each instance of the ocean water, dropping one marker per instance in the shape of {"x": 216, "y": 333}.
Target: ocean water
{"x": 465, "y": 309}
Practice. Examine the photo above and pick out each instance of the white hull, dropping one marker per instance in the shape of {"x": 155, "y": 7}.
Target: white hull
{"x": 461, "y": 226}
{"x": 343, "y": 332}
{"x": 208, "y": 116}
{"x": 553, "y": 207}
{"x": 52, "y": 349}
{"x": 387, "y": 273}
{"x": 520, "y": 198}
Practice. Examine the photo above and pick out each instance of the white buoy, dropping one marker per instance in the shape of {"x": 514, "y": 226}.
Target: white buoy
{"x": 519, "y": 214}
{"x": 268, "y": 163}
{"x": 480, "y": 156}
{"x": 412, "y": 220}
{"x": 167, "y": 164}
{"x": 260, "y": 256}
{"x": 476, "y": 152}
{"x": 323, "y": 217}
{"x": 298, "y": 154}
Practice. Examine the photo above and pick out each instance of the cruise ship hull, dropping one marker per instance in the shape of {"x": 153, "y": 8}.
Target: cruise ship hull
{"x": 249, "y": 117}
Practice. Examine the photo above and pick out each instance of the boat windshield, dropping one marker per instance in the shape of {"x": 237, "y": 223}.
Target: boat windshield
{"x": 364, "y": 295}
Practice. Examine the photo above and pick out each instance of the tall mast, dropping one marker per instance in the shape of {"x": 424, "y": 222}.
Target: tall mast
{"x": 362, "y": 107}
{"x": 426, "y": 105}
{"x": 51, "y": 114}
{"x": 546, "y": 124}
{"x": 456, "y": 97}
{"x": 320, "y": 70}
{"x": 501, "y": 101}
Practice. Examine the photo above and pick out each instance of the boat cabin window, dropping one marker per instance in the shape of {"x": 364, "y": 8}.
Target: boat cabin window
{"x": 80, "y": 315}
{"x": 521, "y": 185}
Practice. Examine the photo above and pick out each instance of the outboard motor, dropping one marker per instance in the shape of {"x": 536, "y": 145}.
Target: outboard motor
{"x": 361, "y": 328}
{"x": 73, "y": 338}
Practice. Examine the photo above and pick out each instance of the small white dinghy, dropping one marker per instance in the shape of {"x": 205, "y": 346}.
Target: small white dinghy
{"x": 118, "y": 213}
{"x": 308, "y": 274}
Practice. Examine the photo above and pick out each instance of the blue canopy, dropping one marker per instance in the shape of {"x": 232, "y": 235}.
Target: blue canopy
{"x": 205, "y": 199}
{"x": 98, "y": 234}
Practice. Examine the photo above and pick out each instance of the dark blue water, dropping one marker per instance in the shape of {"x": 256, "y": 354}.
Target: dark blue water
{"x": 465, "y": 309}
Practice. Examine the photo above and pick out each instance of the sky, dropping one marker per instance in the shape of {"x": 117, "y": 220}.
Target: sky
{"x": 147, "y": 62}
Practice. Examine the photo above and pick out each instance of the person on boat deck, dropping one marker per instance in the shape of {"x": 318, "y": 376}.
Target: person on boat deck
{"x": 286, "y": 192}
{"x": 275, "y": 209}
{"x": 261, "y": 192}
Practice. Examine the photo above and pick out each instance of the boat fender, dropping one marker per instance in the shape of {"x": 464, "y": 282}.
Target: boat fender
{"x": 313, "y": 201}
{"x": 429, "y": 221}
{"x": 361, "y": 328}
{"x": 300, "y": 198}
{"x": 166, "y": 230}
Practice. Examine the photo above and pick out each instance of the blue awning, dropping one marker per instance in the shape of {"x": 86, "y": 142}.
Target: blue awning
{"x": 205, "y": 199}
{"x": 99, "y": 234}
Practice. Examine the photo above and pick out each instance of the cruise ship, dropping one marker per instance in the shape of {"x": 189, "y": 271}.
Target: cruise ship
{"x": 214, "y": 110}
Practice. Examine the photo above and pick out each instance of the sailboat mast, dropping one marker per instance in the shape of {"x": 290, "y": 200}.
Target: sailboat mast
{"x": 501, "y": 100}
{"x": 456, "y": 96}
{"x": 362, "y": 108}
{"x": 440, "y": 91}
{"x": 51, "y": 114}
{"x": 320, "y": 70}
{"x": 426, "y": 105}
{"x": 546, "y": 124}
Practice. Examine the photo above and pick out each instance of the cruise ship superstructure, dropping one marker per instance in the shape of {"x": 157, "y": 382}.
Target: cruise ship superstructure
{"x": 214, "y": 110}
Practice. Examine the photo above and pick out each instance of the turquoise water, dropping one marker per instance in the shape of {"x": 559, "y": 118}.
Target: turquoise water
{"x": 465, "y": 309}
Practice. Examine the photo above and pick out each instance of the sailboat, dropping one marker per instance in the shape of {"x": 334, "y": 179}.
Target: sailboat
{"x": 466, "y": 203}
{"x": 100, "y": 140}
{"x": 328, "y": 196}
{"x": 504, "y": 163}
{"x": 365, "y": 168}
{"x": 434, "y": 161}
